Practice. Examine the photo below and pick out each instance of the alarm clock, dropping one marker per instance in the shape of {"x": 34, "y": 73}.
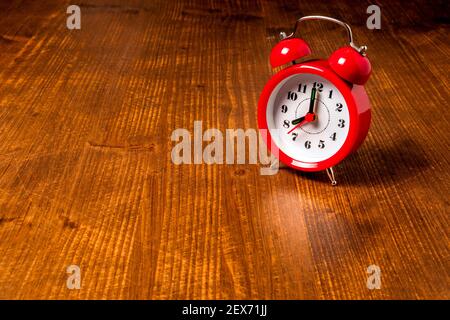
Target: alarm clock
{"x": 313, "y": 114}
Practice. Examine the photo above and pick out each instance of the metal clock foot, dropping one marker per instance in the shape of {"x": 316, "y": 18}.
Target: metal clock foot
{"x": 330, "y": 174}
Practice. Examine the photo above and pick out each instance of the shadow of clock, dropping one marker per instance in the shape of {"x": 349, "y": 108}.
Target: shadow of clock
{"x": 375, "y": 164}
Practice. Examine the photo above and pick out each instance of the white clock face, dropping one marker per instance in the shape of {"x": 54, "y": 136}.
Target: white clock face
{"x": 290, "y": 102}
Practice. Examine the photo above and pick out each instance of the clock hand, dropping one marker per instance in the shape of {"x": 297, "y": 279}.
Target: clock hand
{"x": 298, "y": 120}
{"x": 306, "y": 119}
{"x": 312, "y": 101}
{"x": 298, "y": 125}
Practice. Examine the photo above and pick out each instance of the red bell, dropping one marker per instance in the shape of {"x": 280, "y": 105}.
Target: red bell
{"x": 350, "y": 65}
{"x": 287, "y": 51}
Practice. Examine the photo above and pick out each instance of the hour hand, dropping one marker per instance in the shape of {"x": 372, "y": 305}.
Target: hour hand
{"x": 302, "y": 120}
{"x": 298, "y": 120}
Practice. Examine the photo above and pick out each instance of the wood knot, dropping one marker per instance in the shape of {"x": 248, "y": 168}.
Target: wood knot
{"x": 239, "y": 172}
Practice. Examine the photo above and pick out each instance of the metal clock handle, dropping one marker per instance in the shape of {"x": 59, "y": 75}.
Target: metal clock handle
{"x": 362, "y": 50}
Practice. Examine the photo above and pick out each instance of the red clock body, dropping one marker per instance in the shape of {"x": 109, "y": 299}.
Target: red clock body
{"x": 341, "y": 119}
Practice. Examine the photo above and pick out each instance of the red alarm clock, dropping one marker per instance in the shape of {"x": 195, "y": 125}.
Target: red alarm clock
{"x": 313, "y": 114}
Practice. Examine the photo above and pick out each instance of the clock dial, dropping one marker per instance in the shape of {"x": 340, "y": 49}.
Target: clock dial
{"x": 290, "y": 103}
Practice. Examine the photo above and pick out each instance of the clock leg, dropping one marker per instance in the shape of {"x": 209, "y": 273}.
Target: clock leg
{"x": 330, "y": 174}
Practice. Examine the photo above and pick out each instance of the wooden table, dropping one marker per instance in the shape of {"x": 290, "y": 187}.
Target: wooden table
{"x": 86, "y": 176}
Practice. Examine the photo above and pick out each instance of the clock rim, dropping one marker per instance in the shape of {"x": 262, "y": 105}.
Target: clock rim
{"x": 321, "y": 68}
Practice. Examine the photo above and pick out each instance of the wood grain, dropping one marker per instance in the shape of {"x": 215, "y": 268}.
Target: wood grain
{"x": 86, "y": 176}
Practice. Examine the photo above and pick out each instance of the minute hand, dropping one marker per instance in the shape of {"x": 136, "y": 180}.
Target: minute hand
{"x": 311, "y": 102}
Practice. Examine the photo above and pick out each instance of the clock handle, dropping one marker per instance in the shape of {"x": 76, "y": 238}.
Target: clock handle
{"x": 361, "y": 49}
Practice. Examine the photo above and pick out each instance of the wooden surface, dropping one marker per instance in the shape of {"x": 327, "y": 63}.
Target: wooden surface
{"x": 86, "y": 176}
